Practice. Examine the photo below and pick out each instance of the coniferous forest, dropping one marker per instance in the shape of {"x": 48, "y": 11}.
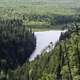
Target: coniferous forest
{"x": 20, "y": 21}
{"x": 16, "y": 44}
{"x": 62, "y": 63}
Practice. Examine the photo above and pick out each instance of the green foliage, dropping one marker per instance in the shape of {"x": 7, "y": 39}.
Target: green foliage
{"x": 62, "y": 63}
{"x": 16, "y": 44}
{"x": 41, "y": 16}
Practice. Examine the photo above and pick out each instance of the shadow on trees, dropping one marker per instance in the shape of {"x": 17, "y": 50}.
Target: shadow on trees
{"x": 16, "y": 43}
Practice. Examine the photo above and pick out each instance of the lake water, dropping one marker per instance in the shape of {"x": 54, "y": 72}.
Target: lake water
{"x": 43, "y": 40}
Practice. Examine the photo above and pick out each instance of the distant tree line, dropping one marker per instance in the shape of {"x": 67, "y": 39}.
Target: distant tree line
{"x": 53, "y": 19}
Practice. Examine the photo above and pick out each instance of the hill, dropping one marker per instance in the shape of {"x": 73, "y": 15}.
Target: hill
{"x": 39, "y": 14}
{"x": 62, "y": 63}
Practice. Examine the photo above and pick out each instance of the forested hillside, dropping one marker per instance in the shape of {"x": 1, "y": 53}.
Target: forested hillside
{"x": 16, "y": 45}
{"x": 19, "y": 19}
{"x": 62, "y": 63}
{"x": 41, "y": 14}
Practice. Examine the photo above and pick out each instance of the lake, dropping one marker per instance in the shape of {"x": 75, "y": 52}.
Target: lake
{"x": 44, "y": 39}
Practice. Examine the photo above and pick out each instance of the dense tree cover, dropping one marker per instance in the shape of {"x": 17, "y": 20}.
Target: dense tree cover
{"x": 62, "y": 63}
{"x": 53, "y": 19}
{"x": 50, "y": 21}
{"x": 16, "y": 43}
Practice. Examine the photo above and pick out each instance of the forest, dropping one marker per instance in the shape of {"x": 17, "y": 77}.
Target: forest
{"x": 41, "y": 14}
{"x": 19, "y": 20}
{"x": 16, "y": 44}
{"x": 62, "y": 63}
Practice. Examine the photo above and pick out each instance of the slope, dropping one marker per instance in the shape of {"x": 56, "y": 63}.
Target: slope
{"x": 62, "y": 63}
